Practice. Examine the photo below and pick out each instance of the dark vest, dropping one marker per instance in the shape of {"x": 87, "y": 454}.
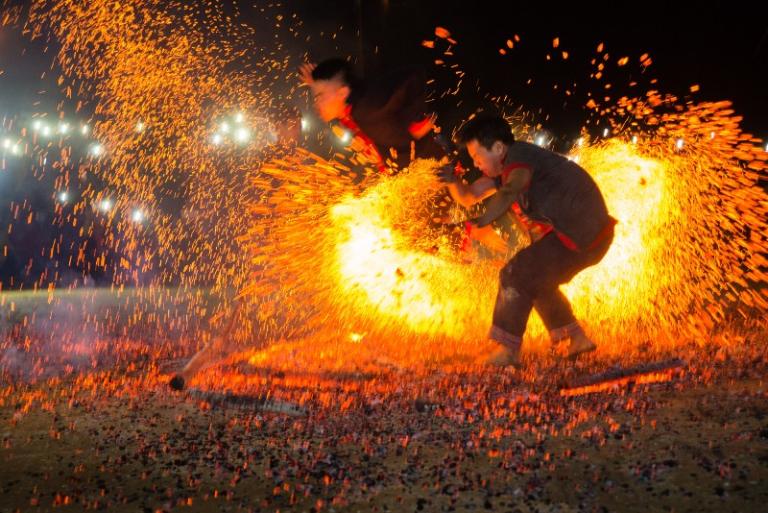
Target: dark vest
{"x": 382, "y": 113}
{"x": 560, "y": 193}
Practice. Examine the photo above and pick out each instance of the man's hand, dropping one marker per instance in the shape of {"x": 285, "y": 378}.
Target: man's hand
{"x": 419, "y": 129}
{"x": 305, "y": 73}
{"x": 488, "y": 237}
{"x": 447, "y": 175}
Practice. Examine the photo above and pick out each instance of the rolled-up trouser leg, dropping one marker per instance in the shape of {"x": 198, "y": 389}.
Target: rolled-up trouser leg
{"x": 514, "y": 301}
{"x": 554, "y": 309}
{"x": 510, "y": 316}
{"x": 556, "y": 314}
{"x": 566, "y": 331}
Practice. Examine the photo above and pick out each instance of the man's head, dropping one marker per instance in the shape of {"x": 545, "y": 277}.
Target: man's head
{"x": 332, "y": 83}
{"x": 486, "y": 139}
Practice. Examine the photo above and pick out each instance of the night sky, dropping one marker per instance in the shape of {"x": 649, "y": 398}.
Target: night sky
{"x": 722, "y": 48}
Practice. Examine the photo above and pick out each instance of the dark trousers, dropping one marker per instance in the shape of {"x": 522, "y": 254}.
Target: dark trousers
{"x": 532, "y": 279}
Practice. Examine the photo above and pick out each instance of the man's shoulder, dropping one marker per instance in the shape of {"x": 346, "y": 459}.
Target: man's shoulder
{"x": 533, "y": 155}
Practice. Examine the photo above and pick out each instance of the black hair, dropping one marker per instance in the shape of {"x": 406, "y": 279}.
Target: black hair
{"x": 330, "y": 69}
{"x": 487, "y": 129}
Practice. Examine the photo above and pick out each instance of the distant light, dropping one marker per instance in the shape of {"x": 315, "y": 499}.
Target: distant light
{"x": 346, "y": 137}
{"x": 634, "y": 139}
{"x": 239, "y": 117}
{"x": 356, "y": 337}
{"x": 540, "y": 140}
{"x": 6, "y": 143}
{"x": 766, "y": 146}
{"x": 46, "y": 131}
{"x": 105, "y": 205}
{"x": 84, "y": 129}
{"x": 574, "y": 158}
{"x": 139, "y": 127}
{"x": 711, "y": 135}
{"x": 580, "y": 141}
{"x": 242, "y": 135}
{"x": 64, "y": 128}
{"x": 216, "y": 139}
{"x": 304, "y": 124}
{"x": 224, "y": 128}
{"x": 63, "y": 196}
{"x": 15, "y": 150}
{"x": 606, "y": 132}
{"x": 679, "y": 143}
{"x": 97, "y": 150}
{"x": 36, "y": 124}
{"x": 137, "y": 216}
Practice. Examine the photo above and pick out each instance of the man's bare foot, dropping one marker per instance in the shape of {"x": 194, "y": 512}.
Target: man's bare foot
{"x": 503, "y": 357}
{"x": 580, "y": 344}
